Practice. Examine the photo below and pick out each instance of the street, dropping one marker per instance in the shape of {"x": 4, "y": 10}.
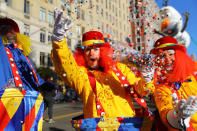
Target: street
{"x": 62, "y": 113}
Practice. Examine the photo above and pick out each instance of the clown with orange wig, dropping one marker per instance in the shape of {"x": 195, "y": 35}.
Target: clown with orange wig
{"x": 103, "y": 84}
{"x": 176, "y": 86}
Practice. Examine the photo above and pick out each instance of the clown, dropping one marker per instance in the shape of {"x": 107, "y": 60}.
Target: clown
{"x": 21, "y": 104}
{"x": 176, "y": 89}
{"x": 100, "y": 82}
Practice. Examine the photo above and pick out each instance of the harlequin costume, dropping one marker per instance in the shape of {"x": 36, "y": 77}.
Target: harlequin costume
{"x": 102, "y": 90}
{"x": 21, "y": 104}
{"x": 182, "y": 81}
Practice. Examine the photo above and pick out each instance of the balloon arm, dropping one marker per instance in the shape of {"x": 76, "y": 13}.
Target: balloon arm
{"x": 158, "y": 32}
{"x": 186, "y": 14}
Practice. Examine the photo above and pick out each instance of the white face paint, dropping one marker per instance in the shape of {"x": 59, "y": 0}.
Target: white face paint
{"x": 171, "y": 51}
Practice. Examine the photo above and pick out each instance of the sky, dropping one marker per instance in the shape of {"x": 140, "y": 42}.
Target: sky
{"x": 191, "y": 6}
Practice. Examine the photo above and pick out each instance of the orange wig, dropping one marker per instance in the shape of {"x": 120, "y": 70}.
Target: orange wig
{"x": 106, "y": 62}
{"x": 184, "y": 66}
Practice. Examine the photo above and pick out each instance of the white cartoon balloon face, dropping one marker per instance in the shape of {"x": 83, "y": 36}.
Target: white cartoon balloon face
{"x": 183, "y": 38}
{"x": 171, "y": 21}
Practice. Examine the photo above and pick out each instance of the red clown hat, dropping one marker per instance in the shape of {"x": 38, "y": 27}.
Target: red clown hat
{"x": 166, "y": 43}
{"x": 93, "y": 38}
{"x": 8, "y": 21}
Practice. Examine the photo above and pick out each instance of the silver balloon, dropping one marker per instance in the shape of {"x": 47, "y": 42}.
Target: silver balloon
{"x": 183, "y": 38}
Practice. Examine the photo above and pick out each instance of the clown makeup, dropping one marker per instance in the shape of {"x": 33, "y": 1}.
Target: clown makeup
{"x": 9, "y": 33}
{"x": 164, "y": 63}
{"x": 92, "y": 56}
{"x": 170, "y": 57}
{"x": 11, "y": 36}
{"x": 167, "y": 57}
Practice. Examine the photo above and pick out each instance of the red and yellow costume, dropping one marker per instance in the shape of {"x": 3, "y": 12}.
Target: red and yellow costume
{"x": 183, "y": 75}
{"x": 114, "y": 98}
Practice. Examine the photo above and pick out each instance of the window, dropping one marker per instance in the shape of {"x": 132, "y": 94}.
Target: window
{"x": 49, "y": 37}
{"x": 138, "y": 40}
{"x": 78, "y": 13}
{"x": 90, "y": 4}
{"x": 42, "y": 36}
{"x": 82, "y": 14}
{"x": 78, "y": 30}
{"x": 50, "y": 1}
{"x": 97, "y": 23}
{"x": 102, "y": 12}
{"x": 49, "y": 61}
{"x": 106, "y": 16}
{"x": 42, "y": 58}
{"x": 139, "y": 48}
{"x": 106, "y": 3}
{"x": 26, "y": 29}
{"x": 102, "y": 27}
{"x": 110, "y": 5}
{"x": 50, "y": 17}
{"x": 26, "y": 7}
{"x": 83, "y": 30}
{"x": 97, "y": 9}
{"x": 42, "y": 14}
{"x": 91, "y": 19}
{"x": 9, "y": 3}
{"x": 107, "y": 28}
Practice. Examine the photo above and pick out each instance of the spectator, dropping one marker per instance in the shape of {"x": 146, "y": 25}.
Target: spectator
{"x": 48, "y": 92}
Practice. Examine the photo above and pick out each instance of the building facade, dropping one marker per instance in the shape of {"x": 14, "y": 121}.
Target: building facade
{"x": 111, "y": 17}
{"x": 144, "y": 19}
{"x": 35, "y": 19}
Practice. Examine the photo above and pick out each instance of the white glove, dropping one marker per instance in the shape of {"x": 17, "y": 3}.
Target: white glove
{"x": 179, "y": 117}
{"x": 148, "y": 73}
{"x": 61, "y": 25}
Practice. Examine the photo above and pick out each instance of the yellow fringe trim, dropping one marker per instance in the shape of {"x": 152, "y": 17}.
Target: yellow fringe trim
{"x": 23, "y": 43}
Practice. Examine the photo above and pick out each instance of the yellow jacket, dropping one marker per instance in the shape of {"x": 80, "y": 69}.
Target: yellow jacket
{"x": 163, "y": 99}
{"x": 115, "y": 99}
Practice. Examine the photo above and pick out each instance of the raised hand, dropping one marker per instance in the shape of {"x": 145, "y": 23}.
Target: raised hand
{"x": 61, "y": 25}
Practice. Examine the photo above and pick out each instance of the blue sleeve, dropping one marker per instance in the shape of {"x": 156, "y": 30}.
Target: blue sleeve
{"x": 40, "y": 80}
